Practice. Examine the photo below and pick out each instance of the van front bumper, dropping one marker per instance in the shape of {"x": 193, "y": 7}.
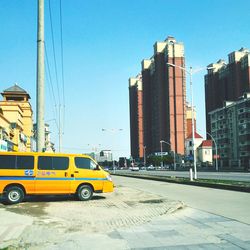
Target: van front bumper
{"x": 108, "y": 187}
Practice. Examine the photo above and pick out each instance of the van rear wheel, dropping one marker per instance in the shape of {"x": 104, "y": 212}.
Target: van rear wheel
{"x": 14, "y": 195}
{"x": 85, "y": 193}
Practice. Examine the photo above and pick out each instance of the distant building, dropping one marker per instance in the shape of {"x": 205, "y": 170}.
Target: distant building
{"x": 205, "y": 151}
{"x": 6, "y": 133}
{"x": 230, "y": 127}
{"x": 16, "y": 130}
{"x": 226, "y": 81}
{"x": 49, "y": 145}
{"x": 163, "y": 101}
{"x": 104, "y": 155}
{"x": 136, "y": 117}
{"x": 189, "y": 142}
{"x": 189, "y": 119}
{"x": 122, "y": 162}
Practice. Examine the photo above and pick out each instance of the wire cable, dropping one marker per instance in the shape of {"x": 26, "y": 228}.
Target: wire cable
{"x": 54, "y": 53}
{"x": 51, "y": 92}
{"x": 62, "y": 65}
{"x": 49, "y": 79}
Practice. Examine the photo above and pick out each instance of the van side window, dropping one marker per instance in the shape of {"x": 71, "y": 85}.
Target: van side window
{"x": 7, "y": 161}
{"x": 16, "y": 162}
{"x": 82, "y": 162}
{"x": 25, "y": 162}
{"x": 60, "y": 163}
{"x": 45, "y": 163}
{"x": 53, "y": 163}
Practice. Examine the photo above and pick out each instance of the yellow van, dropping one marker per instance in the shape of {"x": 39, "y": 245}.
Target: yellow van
{"x": 50, "y": 173}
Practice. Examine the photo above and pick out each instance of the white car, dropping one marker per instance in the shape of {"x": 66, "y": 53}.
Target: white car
{"x": 151, "y": 167}
{"x": 134, "y": 168}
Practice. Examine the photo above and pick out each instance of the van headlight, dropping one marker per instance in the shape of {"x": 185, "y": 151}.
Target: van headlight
{"x": 109, "y": 178}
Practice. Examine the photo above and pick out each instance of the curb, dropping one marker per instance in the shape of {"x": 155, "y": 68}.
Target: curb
{"x": 187, "y": 182}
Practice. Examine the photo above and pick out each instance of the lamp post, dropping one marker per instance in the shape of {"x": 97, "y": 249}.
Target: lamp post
{"x": 144, "y": 154}
{"x": 161, "y": 153}
{"x": 190, "y": 72}
{"x": 216, "y": 152}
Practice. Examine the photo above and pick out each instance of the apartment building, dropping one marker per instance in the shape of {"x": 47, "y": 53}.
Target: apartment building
{"x": 16, "y": 126}
{"x": 136, "y": 117}
{"x": 230, "y": 127}
{"x": 226, "y": 81}
{"x": 164, "y": 98}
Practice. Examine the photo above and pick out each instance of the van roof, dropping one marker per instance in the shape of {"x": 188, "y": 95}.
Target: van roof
{"x": 43, "y": 154}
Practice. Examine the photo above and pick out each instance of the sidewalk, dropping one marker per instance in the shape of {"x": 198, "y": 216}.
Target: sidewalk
{"x": 116, "y": 221}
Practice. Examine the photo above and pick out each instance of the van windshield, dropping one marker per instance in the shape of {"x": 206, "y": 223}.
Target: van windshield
{"x": 84, "y": 163}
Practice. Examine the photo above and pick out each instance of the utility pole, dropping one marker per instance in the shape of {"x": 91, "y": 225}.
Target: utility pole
{"x": 40, "y": 79}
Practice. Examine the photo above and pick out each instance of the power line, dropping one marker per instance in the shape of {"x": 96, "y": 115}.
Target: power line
{"x": 54, "y": 53}
{"x": 55, "y": 63}
{"x": 62, "y": 61}
{"x": 52, "y": 93}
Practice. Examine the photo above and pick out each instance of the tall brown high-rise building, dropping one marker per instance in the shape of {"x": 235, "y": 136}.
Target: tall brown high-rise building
{"x": 136, "y": 117}
{"x": 164, "y": 98}
{"x": 226, "y": 82}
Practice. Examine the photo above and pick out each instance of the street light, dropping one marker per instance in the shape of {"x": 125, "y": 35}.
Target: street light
{"x": 161, "y": 153}
{"x": 144, "y": 154}
{"x": 216, "y": 152}
{"x": 191, "y": 72}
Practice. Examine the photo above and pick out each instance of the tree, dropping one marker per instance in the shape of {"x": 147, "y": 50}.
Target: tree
{"x": 156, "y": 160}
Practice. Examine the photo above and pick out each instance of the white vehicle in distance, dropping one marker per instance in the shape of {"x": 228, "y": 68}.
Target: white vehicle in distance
{"x": 134, "y": 168}
{"x": 151, "y": 167}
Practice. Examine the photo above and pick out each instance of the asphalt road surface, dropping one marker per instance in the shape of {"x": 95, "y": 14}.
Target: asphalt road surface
{"x": 230, "y": 204}
{"x": 237, "y": 176}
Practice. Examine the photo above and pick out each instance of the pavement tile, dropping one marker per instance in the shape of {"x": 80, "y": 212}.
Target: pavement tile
{"x": 235, "y": 224}
{"x": 158, "y": 248}
{"x": 140, "y": 240}
{"x": 214, "y": 219}
{"x": 195, "y": 222}
{"x": 115, "y": 235}
{"x": 164, "y": 233}
{"x": 218, "y": 227}
{"x": 242, "y": 235}
{"x": 182, "y": 240}
{"x": 235, "y": 241}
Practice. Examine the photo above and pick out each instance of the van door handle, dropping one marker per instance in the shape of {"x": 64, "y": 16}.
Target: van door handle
{"x": 76, "y": 172}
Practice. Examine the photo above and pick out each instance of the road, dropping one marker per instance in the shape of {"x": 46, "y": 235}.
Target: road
{"x": 202, "y": 175}
{"x": 230, "y": 204}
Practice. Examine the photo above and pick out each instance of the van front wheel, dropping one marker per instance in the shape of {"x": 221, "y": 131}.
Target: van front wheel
{"x": 85, "y": 193}
{"x": 14, "y": 195}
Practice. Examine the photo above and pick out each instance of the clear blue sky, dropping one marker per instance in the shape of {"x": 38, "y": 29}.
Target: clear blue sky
{"x": 104, "y": 43}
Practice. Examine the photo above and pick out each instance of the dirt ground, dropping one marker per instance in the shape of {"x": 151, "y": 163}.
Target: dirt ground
{"x": 47, "y": 220}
